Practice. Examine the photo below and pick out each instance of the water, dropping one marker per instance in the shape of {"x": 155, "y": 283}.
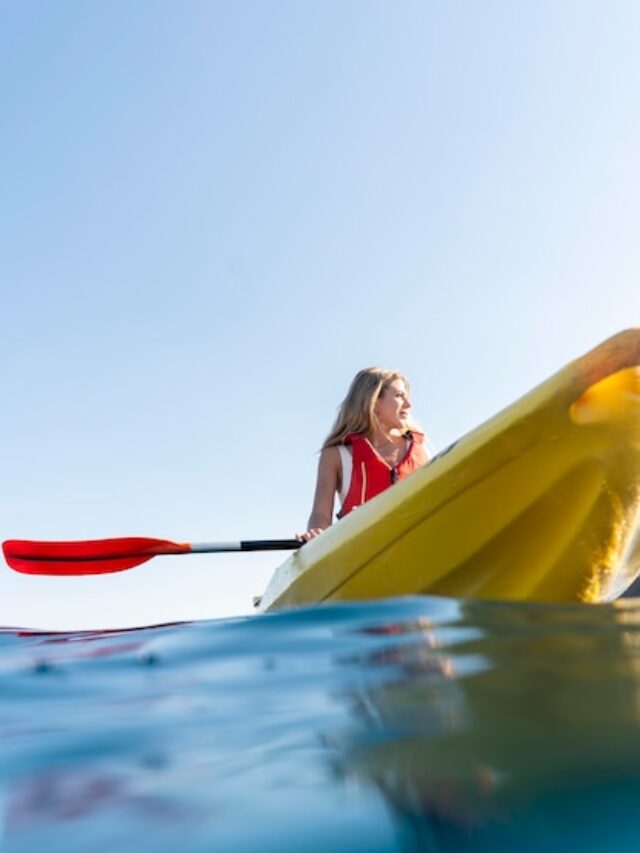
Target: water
{"x": 414, "y": 724}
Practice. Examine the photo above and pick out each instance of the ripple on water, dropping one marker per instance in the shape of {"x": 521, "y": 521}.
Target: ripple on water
{"x": 411, "y": 724}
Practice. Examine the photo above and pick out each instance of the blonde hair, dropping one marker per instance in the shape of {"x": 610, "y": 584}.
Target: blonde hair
{"x": 357, "y": 410}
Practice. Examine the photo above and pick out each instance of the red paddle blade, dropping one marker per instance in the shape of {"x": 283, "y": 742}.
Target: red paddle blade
{"x": 89, "y": 557}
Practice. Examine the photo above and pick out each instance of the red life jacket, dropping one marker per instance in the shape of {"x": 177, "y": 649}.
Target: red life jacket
{"x": 370, "y": 474}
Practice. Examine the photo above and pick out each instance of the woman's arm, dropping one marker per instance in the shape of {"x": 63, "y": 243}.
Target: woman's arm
{"x": 327, "y": 484}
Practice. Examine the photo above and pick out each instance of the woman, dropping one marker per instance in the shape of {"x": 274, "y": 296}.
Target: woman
{"x": 372, "y": 444}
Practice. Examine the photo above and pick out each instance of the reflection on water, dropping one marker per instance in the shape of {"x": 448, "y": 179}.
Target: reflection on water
{"x": 421, "y": 724}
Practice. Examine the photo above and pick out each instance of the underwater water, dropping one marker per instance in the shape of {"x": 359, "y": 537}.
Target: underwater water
{"x": 414, "y": 724}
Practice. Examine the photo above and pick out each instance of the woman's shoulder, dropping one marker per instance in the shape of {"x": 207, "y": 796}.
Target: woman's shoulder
{"x": 330, "y": 455}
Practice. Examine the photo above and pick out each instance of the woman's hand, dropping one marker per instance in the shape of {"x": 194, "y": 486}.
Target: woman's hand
{"x": 310, "y": 534}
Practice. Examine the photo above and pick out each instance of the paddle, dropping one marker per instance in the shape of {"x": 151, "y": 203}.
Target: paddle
{"x": 101, "y": 556}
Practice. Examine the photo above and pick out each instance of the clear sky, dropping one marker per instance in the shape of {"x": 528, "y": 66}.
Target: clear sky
{"x": 213, "y": 214}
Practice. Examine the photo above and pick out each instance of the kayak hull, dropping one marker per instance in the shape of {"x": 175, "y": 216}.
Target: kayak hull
{"x": 540, "y": 503}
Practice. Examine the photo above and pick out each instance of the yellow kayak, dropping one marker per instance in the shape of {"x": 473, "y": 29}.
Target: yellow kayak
{"x": 540, "y": 503}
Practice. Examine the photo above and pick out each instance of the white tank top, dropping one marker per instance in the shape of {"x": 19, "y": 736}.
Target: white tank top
{"x": 347, "y": 466}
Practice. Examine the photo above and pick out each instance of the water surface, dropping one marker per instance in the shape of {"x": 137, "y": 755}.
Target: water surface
{"x": 413, "y": 724}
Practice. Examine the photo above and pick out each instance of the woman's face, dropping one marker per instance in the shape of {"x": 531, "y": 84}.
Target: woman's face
{"x": 393, "y": 406}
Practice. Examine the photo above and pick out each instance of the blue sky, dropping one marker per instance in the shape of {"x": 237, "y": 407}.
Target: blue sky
{"x": 213, "y": 214}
